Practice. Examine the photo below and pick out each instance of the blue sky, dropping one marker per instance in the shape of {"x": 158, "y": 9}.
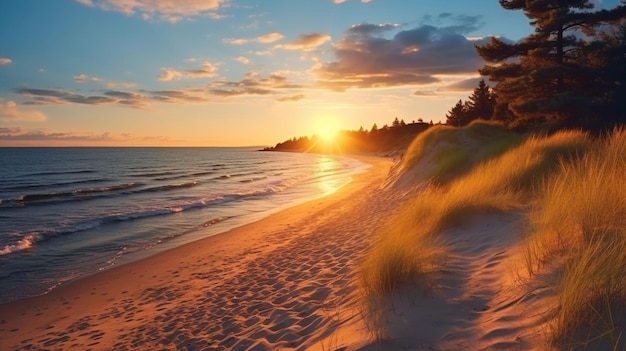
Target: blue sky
{"x": 233, "y": 72}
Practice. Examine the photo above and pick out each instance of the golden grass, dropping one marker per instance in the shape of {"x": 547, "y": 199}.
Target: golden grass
{"x": 574, "y": 186}
{"x": 579, "y": 223}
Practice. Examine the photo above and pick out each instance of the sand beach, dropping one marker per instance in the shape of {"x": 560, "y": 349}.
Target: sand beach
{"x": 284, "y": 282}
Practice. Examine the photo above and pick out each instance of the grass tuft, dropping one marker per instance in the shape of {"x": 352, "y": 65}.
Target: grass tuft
{"x": 580, "y": 223}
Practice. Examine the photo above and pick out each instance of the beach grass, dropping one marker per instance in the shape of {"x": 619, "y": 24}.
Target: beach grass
{"x": 570, "y": 184}
{"x": 580, "y": 223}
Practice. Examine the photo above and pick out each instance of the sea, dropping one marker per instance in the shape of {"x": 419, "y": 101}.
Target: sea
{"x": 70, "y": 212}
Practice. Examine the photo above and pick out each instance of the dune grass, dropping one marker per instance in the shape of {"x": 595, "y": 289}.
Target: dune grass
{"x": 579, "y": 225}
{"x": 449, "y": 149}
{"x": 505, "y": 172}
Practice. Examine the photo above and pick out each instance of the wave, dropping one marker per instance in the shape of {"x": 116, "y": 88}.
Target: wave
{"x": 186, "y": 175}
{"x": 82, "y": 171}
{"x": 90, "y": 193}
{"x": 73, "y": 193}
{"x": 252, "y": 179}
{"x": 24, "y": 243}
{"x": 29, "y": 240}
{"x": 167, "y": 187}
{"x": 54, "y": 185}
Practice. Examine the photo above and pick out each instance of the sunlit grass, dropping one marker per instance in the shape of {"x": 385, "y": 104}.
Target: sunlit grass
{"x": 579, "y": 224}
{"x": 506, "y": 171}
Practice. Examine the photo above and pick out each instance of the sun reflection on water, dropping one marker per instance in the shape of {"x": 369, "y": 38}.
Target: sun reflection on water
{"x": 328, "y": 182}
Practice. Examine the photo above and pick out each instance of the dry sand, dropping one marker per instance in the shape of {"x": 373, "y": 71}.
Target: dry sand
{"x": 283, "y": 282}
{"x": 481, "y": 299}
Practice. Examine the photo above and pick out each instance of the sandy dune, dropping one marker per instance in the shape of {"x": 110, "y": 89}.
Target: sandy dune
{"x": 282, "y": 282}
{"x": 478, "y": 301}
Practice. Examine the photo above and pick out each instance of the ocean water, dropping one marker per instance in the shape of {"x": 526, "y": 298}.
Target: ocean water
{"x": 71, "y": 212}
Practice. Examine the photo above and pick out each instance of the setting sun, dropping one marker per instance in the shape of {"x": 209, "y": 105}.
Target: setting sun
{"x": 326, "y": 128}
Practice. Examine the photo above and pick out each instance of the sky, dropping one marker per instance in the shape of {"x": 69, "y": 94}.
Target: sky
{"x": 234, "y": 72}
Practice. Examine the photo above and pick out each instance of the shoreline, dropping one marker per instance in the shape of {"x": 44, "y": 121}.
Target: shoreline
{"x": 88, "y": 312}
{"x": 213, "y": 217}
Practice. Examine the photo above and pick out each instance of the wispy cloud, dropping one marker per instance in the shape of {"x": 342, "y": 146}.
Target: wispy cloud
{"x": 166, "y": 10}
{"x": 5, "y": 61}
{"x": 57, "y": 97}
{"x": 119, "y": 85}
{"x": 206, "y": 70}
{"x": 291, "y": 98}
{"x": 467, "y": 84}
{"x": 269, "y": 37}
{"x": 83, "y": 78}
{"x": 242, "y": 59}
{"x": 252, "y": 84}
{"x": 263, "y": 39}
{"x": 307, "y": 42}
{"x": 376, "y": 56}
{"x": 48, "y": 137}
{"x": 10, "y": 111}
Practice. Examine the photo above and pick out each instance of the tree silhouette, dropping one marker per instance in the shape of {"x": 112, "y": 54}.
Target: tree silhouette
{"x": 457, "y": 116}
{"x": 551, "y": 75}
{"x": 481, "y": 102}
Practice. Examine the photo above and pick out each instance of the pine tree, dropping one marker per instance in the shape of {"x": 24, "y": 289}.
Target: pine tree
{"x": 548, "y": 76}
{"x": 457, "y": 116}
{"x": 481, "y": 102}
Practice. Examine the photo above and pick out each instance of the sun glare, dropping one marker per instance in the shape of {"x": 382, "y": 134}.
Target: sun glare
{"x": 326, "y": 128}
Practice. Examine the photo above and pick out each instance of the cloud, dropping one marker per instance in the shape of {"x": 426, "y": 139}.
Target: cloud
{"x": 367, "y": 57}
{"x": 468, "y": 84}
{"x": 297, "y": 97}
{"x": 119, "y": 85}
{"x": 424, "y": 93}
{"x": 206, "y": 70}
{"x": 83, "y": 78}
{"x": 5, "y": 61}
{"x": 179, "y": 96}
{"x": 47, "y": 137}
{"x": 252, "y": 84}
{"x": 307, "y": 42}
{"x": 263, "y": 39}
{"x": 11, "y": 112}
{"x": 168, "y": 74}
{"x": 236, "y": 41}
{"x": 167, "y": 10}
{"x": 269, "y": 38}
{"x": 242, "y": 59}
{"x": 56, "y": 97}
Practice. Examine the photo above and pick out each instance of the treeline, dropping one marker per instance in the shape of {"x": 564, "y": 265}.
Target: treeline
{"x": 387, "y": 138}
{"x": 569, "y": 73}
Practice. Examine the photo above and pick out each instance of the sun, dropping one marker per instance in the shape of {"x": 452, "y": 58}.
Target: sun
{"x": 326, "y": 128}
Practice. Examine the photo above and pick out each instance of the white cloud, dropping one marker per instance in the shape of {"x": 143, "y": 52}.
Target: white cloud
{"x": 168, "y": 74}
{"x": 263, "y": 39}
{"x": 206, "y": 70}
{"x": 10, "y": 111}
{"x": 168, "y": 10}
{"x": 243, "y": 60}
{"x": 5, "y": 61}
{"x": 235, "y": 41}
{"x": 269, "y": 37}
{"x": 83, "y": 78}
